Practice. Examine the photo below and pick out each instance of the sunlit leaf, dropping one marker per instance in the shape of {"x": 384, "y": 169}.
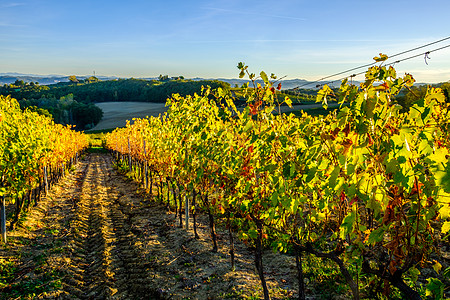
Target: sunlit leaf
{"x": 380, "y": 58}
{"x": 264, "y": 77}
{"x": 445, "y": 227}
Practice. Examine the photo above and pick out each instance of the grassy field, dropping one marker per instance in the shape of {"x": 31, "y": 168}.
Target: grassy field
{"x": 115, "y": 114}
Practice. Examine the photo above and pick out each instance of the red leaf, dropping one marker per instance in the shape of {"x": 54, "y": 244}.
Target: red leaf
{"x": 370, "y": 139}
{"x": 342, "y": 196}
{"x": 355, "y": 199}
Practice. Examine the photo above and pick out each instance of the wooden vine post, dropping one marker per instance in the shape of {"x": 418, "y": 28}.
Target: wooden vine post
{"x": 186, "y": 207}
{"x": 3, "y": 219}
{"x": 46, "y": 180}
{"x": 129, "y": 155}
{"x": 145, "y": 166}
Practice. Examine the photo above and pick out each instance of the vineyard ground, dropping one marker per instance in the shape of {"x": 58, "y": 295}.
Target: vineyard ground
{"x": 95, "y": 237}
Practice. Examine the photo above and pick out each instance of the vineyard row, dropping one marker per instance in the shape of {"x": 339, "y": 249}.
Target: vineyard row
{"x": 34, "y": 154}
{"x": 367, "y": 187}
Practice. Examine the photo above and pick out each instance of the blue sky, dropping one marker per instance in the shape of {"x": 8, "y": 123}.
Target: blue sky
{"x": 297, "y": 39}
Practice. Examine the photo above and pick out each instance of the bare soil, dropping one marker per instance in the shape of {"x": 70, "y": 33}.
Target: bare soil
{"x": 95, "y": 237}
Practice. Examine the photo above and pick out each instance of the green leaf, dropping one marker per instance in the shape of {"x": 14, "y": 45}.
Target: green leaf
{"x": 323, "y": 94}
{"x": 370, "y": 106}
{"x": 287, "y": 169}
{"x": 414, "y": 273}
{"x": 253, "y": 233}
{"x": 376, "y": 236}
{"x": 347, "y": 224}
{"x": 446, "y": 273}
{"x": 425, "y": 148}
{"x": 372, "y": 202}
{"x": 290, "y": 204}
{"x": 419, "y": 113}
{"x": 392, "y": 166}
{"x": 264, "y": 77}
{"x": 311, "y": 174}
{"x": 274, "y": 198}
{"x": 435, "y": 93}
{"x": 221, "y": 92}
{"x": 443, "y": 178}
{"x": 248, "y": 126}
{"x": 334, "y": 176}
{"x": 435, "y": 288}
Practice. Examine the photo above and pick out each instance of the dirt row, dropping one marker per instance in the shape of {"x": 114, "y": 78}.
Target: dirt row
{"x": 95, "y": 236}
{"x": 105, "y": 263}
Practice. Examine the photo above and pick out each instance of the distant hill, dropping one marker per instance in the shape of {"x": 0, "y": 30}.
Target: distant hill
{"x": 8, "y": 78}
{"x": 11, "y": 77}
{"x": 285, "y": 84}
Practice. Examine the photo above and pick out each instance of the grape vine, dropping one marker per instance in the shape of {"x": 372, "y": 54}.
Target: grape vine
{"x": 366, "y": 187}
{"x": 34, "y": 153}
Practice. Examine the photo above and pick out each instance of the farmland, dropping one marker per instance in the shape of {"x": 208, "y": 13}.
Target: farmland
{"x": 116, "y": 114}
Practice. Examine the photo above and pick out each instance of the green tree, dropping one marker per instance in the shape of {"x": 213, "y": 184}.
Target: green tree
{"x": 91, "y": 79}
{"x": 19, "y": 83}
{"x": 163, "y": 78}
{"x": 41, "y": 111}
{"x": 73, "y": 79}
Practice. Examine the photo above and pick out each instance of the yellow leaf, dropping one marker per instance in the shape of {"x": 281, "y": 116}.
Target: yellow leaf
{"x": 382, "y": 57}
{"x": 437, "y": 266}
{"x": 446, "y": 227}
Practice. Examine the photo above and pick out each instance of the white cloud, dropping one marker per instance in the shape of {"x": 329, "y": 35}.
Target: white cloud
{"x": 12, "y": 4}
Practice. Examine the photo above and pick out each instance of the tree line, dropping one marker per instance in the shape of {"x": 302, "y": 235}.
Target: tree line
{"x": 65, "y": 110}
{"x": 93, "y": 90}
{"x": 72, "y": 102}
{"x": 415, "y": 93}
